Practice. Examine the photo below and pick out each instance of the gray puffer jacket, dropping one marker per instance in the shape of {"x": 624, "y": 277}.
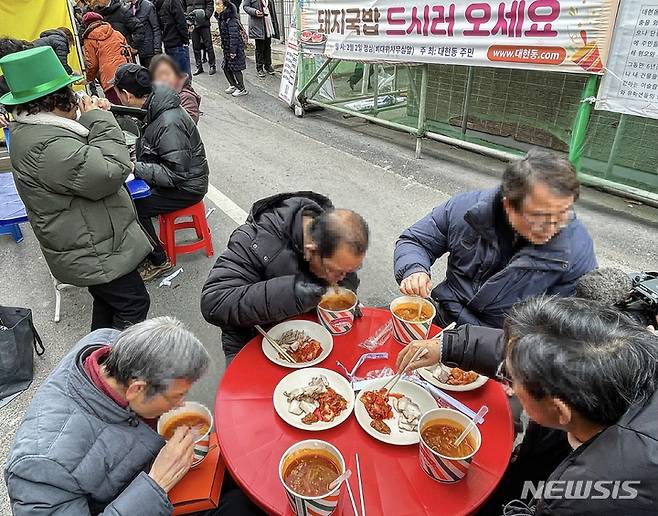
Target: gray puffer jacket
{"x": 78, "y": 453}
{"x": 171, "y": 152}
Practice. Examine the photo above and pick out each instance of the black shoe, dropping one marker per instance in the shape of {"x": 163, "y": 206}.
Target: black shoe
{"x": 260, "y": 72}
{"x": 213, "y": 70}
{"x": 269, "y": 70}
{"x": 199, "y": 71}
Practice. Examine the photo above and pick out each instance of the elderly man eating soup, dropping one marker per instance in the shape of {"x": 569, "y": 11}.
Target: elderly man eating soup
{"x": 87, "y": 443}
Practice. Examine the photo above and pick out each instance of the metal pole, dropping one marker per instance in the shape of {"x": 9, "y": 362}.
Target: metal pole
{"x": 365, "y": 79}
{"x": 370, "y": 118}
{"x": 615, "y": 145}
{"x": 579, "y": 132}
{"x": 421, "y": 110}
{"x": 375, "y": 91}
{"x": 321, "y": 81}
{"x": 395, "y": 77}
{"x": 467, "y": 99}
{"x": 315, "y": 76}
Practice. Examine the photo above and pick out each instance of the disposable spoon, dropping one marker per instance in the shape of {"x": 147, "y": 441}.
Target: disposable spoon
{"x": 481, "y": 413}
{"x": 345, "y": 476}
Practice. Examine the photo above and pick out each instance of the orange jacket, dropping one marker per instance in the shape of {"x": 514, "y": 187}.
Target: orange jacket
{"x": 105, "y": 50}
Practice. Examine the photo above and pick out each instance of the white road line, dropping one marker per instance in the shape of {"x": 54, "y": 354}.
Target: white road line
{"x": 226, "y": 205}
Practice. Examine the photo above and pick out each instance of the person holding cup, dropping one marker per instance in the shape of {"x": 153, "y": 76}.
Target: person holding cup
{"x": 280, "y": 263}
{"x": 70, "y": 162}
{"x": 88, "y": 443}
{"x": 587, "y": 376}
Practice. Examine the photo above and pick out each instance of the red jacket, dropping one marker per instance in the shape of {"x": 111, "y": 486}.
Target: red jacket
{"x": 105, "y": 50}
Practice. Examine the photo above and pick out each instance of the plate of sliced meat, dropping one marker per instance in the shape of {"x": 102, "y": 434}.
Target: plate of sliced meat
{"x": 392, "y": 417}
{"x": 307, "y": 342}
{"x": 313, "y": 399}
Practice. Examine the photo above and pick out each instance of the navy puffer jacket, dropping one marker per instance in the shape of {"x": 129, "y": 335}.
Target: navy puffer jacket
{"x": 472, "y": 292}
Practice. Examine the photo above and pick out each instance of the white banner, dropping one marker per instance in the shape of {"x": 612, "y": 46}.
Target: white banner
{"x": 289, "y": 74}
{"x": 630, "y": 84}
{"x": 564, "y": 35}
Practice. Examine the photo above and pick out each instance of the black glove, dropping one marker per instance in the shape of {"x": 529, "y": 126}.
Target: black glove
{"x": 308, "y": 293}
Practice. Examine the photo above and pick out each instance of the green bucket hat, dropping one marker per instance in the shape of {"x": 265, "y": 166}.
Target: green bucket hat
{"x": 32, "y": 74}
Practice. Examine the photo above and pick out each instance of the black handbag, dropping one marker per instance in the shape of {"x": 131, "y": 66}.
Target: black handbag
{"x": 18, "y": 342}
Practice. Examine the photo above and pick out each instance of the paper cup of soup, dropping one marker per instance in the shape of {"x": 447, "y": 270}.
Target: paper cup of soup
{"x": 337, "y": 310}
{"x": 306, "y": 469}
{"x": 195, "y": 416}
{"x": 439, "y": 458}
{"x": 412, "y": 318}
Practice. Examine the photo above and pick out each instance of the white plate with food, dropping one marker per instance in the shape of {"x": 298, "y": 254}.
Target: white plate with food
{"x": 313, "y": 399}
{"x": 396, "y": 414}
{"x": 307, "y": 342}
{"x": 458, "y": 379}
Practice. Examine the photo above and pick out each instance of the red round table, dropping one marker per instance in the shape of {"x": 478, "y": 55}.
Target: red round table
{"x": 252, "y": 437}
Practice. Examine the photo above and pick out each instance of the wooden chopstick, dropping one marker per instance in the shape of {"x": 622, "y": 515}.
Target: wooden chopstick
{"x": 275, "y": 345}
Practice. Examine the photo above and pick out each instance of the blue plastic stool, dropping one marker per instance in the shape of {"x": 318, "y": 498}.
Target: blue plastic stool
{"x": 11, "y": 229}
{"x": 14, "y": 230}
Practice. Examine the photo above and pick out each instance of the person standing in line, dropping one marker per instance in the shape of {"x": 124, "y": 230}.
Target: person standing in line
{"x": 201, "y": 11}
{"x": 164, "y": 70}
{"x": 172, "y": 158}
{"x": 121, "y": 19}
{"x": 70, "y": 175}
{"x": 146, "y": 13}
{"x": 175, "y": 36}
{"x": 263, "y": 26}
{"x": 105, "y": 50}
{"x": 235, "y": 59}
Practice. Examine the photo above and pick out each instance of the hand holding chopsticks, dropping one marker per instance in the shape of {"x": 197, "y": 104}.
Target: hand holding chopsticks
{"x": 275, "y": 345}
{"x": 430, "y": 357}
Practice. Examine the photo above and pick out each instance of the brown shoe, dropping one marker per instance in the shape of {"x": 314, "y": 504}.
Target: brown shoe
{"x": 154, "y": 271}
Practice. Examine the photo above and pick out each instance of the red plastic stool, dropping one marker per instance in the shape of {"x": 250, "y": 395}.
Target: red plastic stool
{"x": 168, "y": 228}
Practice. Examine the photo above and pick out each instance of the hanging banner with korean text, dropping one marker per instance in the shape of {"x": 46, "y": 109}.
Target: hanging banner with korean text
{"x": 564, "y": 35}
{"x": 630, "y": 84}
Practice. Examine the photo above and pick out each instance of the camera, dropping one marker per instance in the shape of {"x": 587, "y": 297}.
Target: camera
{"x": 642, "y": 302}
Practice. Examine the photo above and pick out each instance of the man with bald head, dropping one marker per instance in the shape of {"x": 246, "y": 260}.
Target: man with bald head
{"x": 280, "y": 262}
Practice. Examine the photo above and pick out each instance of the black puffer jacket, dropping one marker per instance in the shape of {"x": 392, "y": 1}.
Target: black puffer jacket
{"x": 208, "y": 7}
{"x": 172, "y": 23}
{"x": 171, "y": 153}
{"x": 253, "y": 280}
{"x": 122, "y": 20}
{"x": 625, "y": 451}
{"x": 57, "y": 40}
{"x": 146, "y": 13}
{"x": 232, "y": 44}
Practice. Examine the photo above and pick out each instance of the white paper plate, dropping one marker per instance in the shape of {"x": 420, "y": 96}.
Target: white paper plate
{"x": 416, "y": 393}
{"x": 313, "y": 330}
{"x": 301, "y": 378}
{"x": 426, "y": 373}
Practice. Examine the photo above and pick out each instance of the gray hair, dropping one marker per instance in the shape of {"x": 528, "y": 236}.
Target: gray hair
{"x": 592, "y": 357}
{"x": 157, "y": 351}
{"x": 549, "y": 168}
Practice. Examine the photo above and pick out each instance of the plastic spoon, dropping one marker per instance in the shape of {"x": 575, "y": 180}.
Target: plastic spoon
{"x": 481, "y": 413}
{"x": 345, "y": 476}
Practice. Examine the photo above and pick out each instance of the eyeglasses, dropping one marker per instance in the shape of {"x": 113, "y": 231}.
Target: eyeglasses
{"x": 542, "y": 221}
{"x": 334, "y": 271}
{"x": 503, "y": 376}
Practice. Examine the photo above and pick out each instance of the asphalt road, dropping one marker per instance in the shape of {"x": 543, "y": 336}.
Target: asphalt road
{"x": 257, "y": 147}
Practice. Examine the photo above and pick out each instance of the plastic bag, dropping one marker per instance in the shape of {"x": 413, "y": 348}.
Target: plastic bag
{"x": 380, "y": 336}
